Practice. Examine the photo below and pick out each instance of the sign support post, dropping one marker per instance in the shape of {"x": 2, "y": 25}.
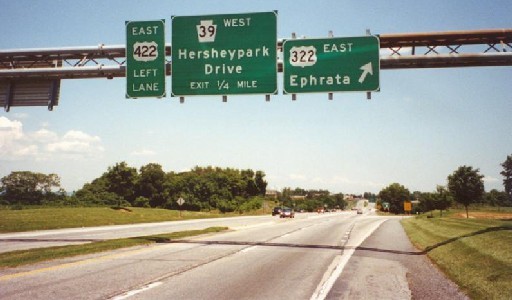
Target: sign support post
{"x": 180, "y": 202}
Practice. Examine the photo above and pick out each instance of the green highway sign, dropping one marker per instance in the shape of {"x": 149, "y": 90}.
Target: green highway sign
{"x": 224, "y": 54}
{"x": 145, "y": 59}
{"x": 331, "y": 65}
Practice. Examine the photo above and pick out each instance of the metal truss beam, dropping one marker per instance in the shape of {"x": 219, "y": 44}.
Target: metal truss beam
{"x": 398, "y": 51}
{"x": 447, "y": 49}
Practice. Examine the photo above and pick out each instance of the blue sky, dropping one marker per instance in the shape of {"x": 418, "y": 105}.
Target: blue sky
{"x": 417, "y": 130}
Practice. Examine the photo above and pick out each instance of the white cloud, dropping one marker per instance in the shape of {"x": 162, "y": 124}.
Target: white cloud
{"x": 80, "y": 136}
{"x": 77, "y": 143}
{"x": 28, "y": 151}
{"x": 44, "y": 135}
{"x": 10, "y": 130}
{"x": 15, "y": 144}
{"x": 11, "y": 139}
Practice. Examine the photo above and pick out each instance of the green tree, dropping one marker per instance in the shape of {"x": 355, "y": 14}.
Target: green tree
{"x": 25, "y": 187}
{"x": 96, "y": 193}
{"x": 151, "y": 184}
{"x": 122, "y": 180}
{"x": 497, "y": 198}
{"x": 261, "y": 184}
{"x": 507, "y": 174}
{"x": 340, "y": 201}
{"x": 395, "y": 194}
{"x": 141, "y": 202}
{"x": 466, "y": 185}
{"x": 327, "y": 201}
{"x": 370, "y": 196}
{"x": 427, "y": 202}
{"x": 443, "y": 199}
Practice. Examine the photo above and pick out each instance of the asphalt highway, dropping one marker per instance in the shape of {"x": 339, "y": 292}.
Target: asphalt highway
{"x": 308, "y": 257}
{"x": 68, "y": 236}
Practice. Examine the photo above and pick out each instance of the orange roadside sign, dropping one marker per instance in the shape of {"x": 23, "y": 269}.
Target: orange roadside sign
{"x": 407, "y": 206}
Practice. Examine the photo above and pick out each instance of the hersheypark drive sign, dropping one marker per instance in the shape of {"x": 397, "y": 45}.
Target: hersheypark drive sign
{"x": 224, "y": 54}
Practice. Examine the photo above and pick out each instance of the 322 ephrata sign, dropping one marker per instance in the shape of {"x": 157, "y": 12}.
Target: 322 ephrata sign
{"x": 224, "y": 54}
{"x": 331, "y": 65}
{"x": 145, "y": 59}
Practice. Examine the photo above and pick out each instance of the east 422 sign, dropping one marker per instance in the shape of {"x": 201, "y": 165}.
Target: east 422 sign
{"x": 145, "y": 59}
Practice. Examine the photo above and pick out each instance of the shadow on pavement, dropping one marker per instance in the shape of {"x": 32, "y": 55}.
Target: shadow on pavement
{"x": 341, "y": 248}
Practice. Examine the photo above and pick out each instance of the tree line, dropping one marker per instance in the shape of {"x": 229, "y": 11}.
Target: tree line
{"x": 310, "y": 200}
{"x": 30, "y": 188}
{"x": 202, "y": 188}
{"x": 227, "y": 190}
{"x": 465, "y": 186}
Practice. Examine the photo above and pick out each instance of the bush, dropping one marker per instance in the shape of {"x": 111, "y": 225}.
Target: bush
{"x": 254, "y": 203}
{"x": 225, "y": 206}
{"x": 141, "y": 202}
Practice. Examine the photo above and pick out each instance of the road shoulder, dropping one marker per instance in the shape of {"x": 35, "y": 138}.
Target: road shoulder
{"x": 387, "y": 266}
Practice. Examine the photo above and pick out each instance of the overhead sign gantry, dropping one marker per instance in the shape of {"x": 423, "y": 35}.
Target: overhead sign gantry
{"x": 31, "y": 77}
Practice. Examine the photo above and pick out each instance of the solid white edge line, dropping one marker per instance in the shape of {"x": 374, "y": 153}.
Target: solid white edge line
{"x": 340, "y": 261}
{"x": 137, "y": 291}
{"x": 245, "y": 250}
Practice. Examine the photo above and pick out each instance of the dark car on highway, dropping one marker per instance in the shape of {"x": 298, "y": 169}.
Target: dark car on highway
{"x": 287, "y": 213}
{"x": 276, "y": 211}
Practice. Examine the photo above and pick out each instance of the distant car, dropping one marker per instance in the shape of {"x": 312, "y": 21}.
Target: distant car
{"x": 359, "y": 211}
{"x": 276, "y": 211}
{"x": 287, "y": 213}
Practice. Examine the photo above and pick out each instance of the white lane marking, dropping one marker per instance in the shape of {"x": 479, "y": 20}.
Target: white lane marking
{"x": 245, "y": 250}
{"x": 252, "y": 226}
{"x": 338, "y": 264}
{"x": 137, "y": 291}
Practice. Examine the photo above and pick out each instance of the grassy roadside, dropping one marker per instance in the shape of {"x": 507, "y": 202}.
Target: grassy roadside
{"x": 72, "y": 217}
{"x": 474, "y": 253}
{"x": 23, "y": 257}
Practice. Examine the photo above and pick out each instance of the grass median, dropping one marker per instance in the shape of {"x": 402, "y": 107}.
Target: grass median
{"x": 475, "y": 253}
{"x": 24, "y": 257}
{"x": 73, "y": 217}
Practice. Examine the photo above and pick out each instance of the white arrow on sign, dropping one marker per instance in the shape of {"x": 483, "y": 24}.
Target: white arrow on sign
{"x": 367, "y": 69}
